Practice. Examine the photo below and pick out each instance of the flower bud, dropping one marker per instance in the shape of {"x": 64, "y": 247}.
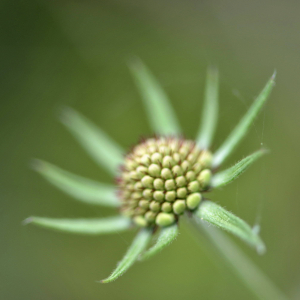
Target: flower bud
{"x": 179, "y": 207}
{"x": 190, "y": 176}
{"x": 150, "y": 216}
{"x": 154, "y": 170}
{"x": 166, "y": 173}
{"x": 156, "y": 158}
{"x": 144, "y": 204}
{"x": 205, "y": 159}
{"x": 159, "y": 184}
{"x": 194, "y": 186}
{"x": 166, "y": 207}
{"x": 181, "y": 192}
{"x": 185, "y": 166}
{"x": 154, "y": 206}
{"x": 170, "y": 184}
{"x": 170, "y": 196}
{"x": 145, "y": 160}
{"x": 164, "y": 219}
{"x": 168, "y": 162}
{"x": 140, "y": 221}
{"x": 147, "y": 181}
{"x": 180, "y": 181}
{"x": 158, "y": 196}
{"x": 162, "y": 178}
{"x": 193, "y": 200}
{"x": 204, "y": 178}
{"x": 147, "y": 193}
{"x": 177, "y": 171}
{"x": 141, "y": 171}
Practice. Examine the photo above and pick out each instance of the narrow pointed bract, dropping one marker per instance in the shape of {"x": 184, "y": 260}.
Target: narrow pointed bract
{"x": 218, "y": 216}
{"x": 166, "y": 236}
{"x": 243, "y": 126}
{"x": 97, "y": 143}
{"x": 232, "y": 173}
{"x": 138, "y": 245}
{"x": 83, "y": 226}
{"x": 254, "y": 279}
{"x": 210, "y": 109}
{"x": 157, "y": 104}
{"x": 80, "y": 188}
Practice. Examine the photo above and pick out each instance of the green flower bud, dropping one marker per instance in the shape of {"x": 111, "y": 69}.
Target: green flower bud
{"x": 134, "y": 175}
{"x": 130, "y": 187}
{"x": 174, "y": 146}
{"x": 194, "y": 186}
{"x": 164, "y": 150}
{"x": 170, "y": 196}
{"x": 136, "y": 195}
{"x": 132, "y": 202}
{"x": 190, "y": 176}
{"x": 138, "y": 186}
{"x": 158, "y": 196}
{"x": 166, "y": 207}
{"x": 140, "y": 221}
{"x": 181, "y": 192}
{"x": 205, "y": 159}
{"x": 148, "y": 194}
{"x": 185, "y": 166}
{"x": 131, "y": 164}
{"x": 145, "y": 160}
{"x": 152, "y": 149}
{"x": 126, "y": 194}
{"x": 180, "y": 181}
{"x": 176, "y": 158}
{"x": 193, "y": 200}
{"x": 156, "y": 158}
{"x": 147, "y": 181}
{"x": 179, "y": 207}
{"x": 139, "y": 210}
{"x": 168, "y": 162}
{"x": 154, "y": 206}
{"x": 126, "y": 177}
{"x": 159, "y": 184}
{"x": 170, "y": 184}
{"x": 154, "y": 170}
{"x": 151, "y": 142}
{"x": 150, "y": 216}
{"x": 144, "y": 204}
{"x": 141, "y": 171}
{"x": 183, "y": 152}
{"x": 166, "y": 173}
{"x": 165, "y": 219}
{"x": 141, "y": 151}
{"x": 177, "y": 171}
{"x": 197, "y": 167}
{"x": 204, "y": 178}
{"x": 192, "y": 157}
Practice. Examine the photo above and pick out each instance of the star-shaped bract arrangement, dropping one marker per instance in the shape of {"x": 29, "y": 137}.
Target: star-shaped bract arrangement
{"x": 161, "y": 179}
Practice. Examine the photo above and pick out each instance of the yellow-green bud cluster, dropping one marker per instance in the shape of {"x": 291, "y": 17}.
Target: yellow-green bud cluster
{"x": 161, "y": 178}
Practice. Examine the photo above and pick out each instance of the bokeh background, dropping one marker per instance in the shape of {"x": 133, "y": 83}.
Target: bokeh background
{"x": 75, "y": 53}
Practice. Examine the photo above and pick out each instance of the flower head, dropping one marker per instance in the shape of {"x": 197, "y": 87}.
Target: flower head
{"x": 161, "y": 179}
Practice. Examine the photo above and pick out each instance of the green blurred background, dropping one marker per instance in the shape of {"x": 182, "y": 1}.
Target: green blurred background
{"x": 75, "y": 53}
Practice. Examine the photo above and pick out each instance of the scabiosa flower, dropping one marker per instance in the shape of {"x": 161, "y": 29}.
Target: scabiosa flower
{"x": 161, "y": 179}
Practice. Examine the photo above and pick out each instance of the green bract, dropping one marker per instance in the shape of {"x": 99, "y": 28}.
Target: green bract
{"x": 162, "y": 178}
